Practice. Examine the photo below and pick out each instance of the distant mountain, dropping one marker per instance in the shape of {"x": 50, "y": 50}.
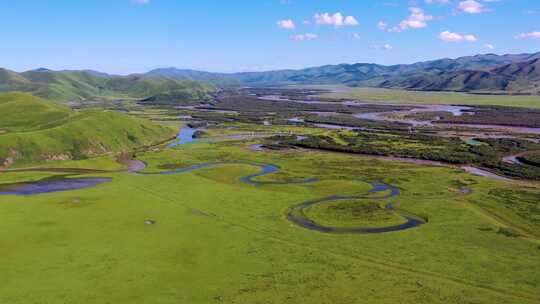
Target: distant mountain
{"x": 468, "y": 73}
{"x": 519, "y": 77}
{"x": 488, "y": 73}
{"x": 477, "y": 62}
{"x": 92, "y": 85}
{"x": 193, "y": 75}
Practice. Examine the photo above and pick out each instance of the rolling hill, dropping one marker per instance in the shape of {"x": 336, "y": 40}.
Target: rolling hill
{"x": 38, "y": 130}
{"x": 91, "y": 85}
{"x": 516, "y": 78}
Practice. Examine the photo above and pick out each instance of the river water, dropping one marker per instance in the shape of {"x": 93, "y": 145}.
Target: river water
{"x": 185, "y": 136}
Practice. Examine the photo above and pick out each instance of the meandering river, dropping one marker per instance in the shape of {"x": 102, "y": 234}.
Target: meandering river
{"x": 64, "y": 183}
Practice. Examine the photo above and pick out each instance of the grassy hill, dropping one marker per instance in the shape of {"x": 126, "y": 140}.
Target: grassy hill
{"x": 37, "y": 131}
{"x": 22, "y": 112}
{"x": 519, "y": 77}
{"x": 88, "y": 85}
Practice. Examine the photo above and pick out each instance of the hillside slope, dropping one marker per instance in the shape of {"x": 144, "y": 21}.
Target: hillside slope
{"x": 22, "y": 112}
{"x": 90, "y": 85}
{"x": 76, "y": 135}
{"x": 521, "y": 77}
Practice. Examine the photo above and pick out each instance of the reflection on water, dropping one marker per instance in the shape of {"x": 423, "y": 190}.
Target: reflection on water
{"x": 50, "y": 185}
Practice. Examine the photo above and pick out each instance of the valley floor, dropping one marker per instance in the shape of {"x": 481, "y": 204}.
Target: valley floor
{"x": 205, "y": 236}
{"x": 277, "y": 202}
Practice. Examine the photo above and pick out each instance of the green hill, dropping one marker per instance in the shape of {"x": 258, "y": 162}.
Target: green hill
{"x": 88, "y": 85}
{"x": 519, "y": 77}
{"x": 22, "y": 112}
{"x": 41, "y": 131}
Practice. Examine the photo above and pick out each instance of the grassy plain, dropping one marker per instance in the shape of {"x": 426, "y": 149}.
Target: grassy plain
{"x": 217, "y": 240}
{"x": 416, "y": 97}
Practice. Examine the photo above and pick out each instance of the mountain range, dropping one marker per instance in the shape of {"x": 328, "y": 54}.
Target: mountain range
{"x": 487, "y": 73}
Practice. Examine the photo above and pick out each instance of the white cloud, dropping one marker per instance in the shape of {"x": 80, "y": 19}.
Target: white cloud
{"x": 454, "y": 37}
{"x": 471, "y": 7}
{"x": 382, "y": 25}
{"x": 287, "y": 24}
{"x": 336, "y": 20}
{"x": 417, "y": 19}
{"x": 385, "y": 47}
{"x": 351, "y": 21}
{"x": 142, "y": 2}
{"x": 305, "y": 37}
{"x": 489, "y": 46}
{"x": 530, "y": 35}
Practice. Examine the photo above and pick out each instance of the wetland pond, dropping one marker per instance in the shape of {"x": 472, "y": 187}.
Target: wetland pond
{"x": 51, "y": 185}
{"x": 61, "y": 183}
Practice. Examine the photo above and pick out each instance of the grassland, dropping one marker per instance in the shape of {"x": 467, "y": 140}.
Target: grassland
{"x": 353, "y": 214}
{"x": 416, "y": 97}
{"x": 207, "y": 237}
{"x": 218, "y": 240}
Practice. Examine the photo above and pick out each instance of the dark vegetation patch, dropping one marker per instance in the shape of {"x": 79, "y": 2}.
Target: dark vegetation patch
{"x": 509, "y": 232}
{"x": 429, "y": 116}
{"x": 532, "y": 159}
{"x": 242, "y": 103}
{"x": 351, "y": 121}
{"x": 199, "y": 134}
{"x": 249, "y": 109}
{"x": 497, "y": 115}
{"x": 289, "y": 93}
{"x": 424, "y": 147}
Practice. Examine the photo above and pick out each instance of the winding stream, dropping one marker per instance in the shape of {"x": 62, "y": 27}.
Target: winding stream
{"x": 64, "y": 183}
{"x": 184, "y": 137}
{"x": 295, "y": 214}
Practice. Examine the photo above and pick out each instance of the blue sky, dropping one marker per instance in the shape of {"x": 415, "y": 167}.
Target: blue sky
{"x": 126, "y": 36}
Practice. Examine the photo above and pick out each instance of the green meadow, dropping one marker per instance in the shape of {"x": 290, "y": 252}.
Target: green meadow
{"x": 417, "y": 97}
{"x": 218, "y": 240}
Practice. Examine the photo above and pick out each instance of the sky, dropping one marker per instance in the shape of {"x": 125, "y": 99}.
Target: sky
{"x": 130, "y": 36}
